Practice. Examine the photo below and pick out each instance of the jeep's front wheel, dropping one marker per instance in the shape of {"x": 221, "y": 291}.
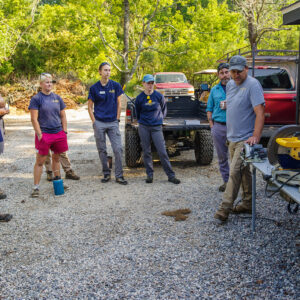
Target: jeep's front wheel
{"x": 132, "y": 148}
{"x": 204, "y": 147}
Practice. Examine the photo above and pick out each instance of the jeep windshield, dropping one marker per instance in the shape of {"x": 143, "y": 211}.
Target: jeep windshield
{"x": 272, "y": 78}
{"x": 165, "y": 78}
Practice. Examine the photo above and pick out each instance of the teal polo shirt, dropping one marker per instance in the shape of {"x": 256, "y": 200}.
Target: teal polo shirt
{"x": 217, "y": 94}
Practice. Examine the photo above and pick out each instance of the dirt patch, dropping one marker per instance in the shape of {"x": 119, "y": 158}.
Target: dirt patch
{"x": 178, "y": 214}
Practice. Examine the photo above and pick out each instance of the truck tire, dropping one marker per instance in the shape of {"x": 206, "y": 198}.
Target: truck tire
{"x": 204, "y": 147}
{"x": 132, "y": 148}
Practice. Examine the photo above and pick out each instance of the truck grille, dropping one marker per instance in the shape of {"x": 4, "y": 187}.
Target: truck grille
{"x": 176, "y": 92}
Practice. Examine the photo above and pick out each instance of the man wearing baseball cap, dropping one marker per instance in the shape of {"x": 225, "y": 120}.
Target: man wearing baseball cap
{"x": 245, "y": 121}
{"x": 151, "y": 109}
{"x": 216, "y": 115}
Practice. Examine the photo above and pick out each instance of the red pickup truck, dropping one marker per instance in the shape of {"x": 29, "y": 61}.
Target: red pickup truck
{"x": 172, "y": 84}
{"x": 279, "y": 93}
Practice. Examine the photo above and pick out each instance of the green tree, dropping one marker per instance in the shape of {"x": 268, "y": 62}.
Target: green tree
{"x": 16, "y": 19}
{"x": 126, "y": 29}
{"x": 261, "y": 17}
{"x": 213, "y": 31}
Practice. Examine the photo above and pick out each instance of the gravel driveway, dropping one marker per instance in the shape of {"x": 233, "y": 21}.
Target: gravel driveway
{"x": 107, "y": 241}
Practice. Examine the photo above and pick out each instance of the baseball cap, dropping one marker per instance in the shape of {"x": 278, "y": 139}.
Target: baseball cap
{"x": 237, "y": 62}
{"x": 223, "y": 66}
{"x": 148, "y": 78}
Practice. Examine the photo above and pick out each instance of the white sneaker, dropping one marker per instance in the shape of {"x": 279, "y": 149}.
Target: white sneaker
{"x": 35, "y": 193}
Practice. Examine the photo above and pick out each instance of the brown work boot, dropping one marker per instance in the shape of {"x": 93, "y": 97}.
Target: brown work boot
{"x": 242, "y": 209}
{"x": 49, "y": 175}
{"x": 222, "y": 215}
{"x": 222, "y": 187}
{"x": 71, "y": 175}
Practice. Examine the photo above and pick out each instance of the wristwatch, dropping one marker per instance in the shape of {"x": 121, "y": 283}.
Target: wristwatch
{"x": 119, "y": 120}
{"x": 66, "y": 132}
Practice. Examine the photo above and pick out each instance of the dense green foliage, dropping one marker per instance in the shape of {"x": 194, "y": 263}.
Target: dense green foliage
{"x": 71, "y": 37}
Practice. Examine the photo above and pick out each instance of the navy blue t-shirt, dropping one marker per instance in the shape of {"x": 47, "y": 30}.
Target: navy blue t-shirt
{"x": 150, "y": 110}
{"x": 49, "y": 107}
{"x": 105, "y": 100}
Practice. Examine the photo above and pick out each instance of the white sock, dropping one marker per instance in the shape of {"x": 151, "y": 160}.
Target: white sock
{"x": 36, "y": 187}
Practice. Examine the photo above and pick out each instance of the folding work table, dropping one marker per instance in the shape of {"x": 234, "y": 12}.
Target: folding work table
{"x": 266, "y": 168}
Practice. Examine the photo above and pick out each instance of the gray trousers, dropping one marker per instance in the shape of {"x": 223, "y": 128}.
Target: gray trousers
{"x": 219, "y": 133}
{"x": 114, "y": 135}
{"x": 2, "y": 133}
{"x": 155, "y": 133}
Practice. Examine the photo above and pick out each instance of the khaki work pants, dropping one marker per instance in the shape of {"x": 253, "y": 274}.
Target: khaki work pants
{"x": 63, "y": 159}
{"x": 239, "y": 175}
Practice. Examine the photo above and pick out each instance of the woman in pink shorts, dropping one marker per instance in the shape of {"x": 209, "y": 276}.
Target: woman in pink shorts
{"x": 49, "y": 121}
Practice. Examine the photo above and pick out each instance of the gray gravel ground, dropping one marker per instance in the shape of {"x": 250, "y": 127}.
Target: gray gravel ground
{"x": 106, "y": 241}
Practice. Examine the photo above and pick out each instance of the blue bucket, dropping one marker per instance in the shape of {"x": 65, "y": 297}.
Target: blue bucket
{"x": 58, "y": 186}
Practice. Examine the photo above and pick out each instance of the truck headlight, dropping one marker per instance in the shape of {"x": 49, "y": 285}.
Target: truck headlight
{"x": 191, "y": 91}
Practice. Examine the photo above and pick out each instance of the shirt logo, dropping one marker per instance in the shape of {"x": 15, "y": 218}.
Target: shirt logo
{"x": 243, "y": 89}
{"x": 149, "y": 101}
{"x": 102, "y": 92}
{"x": 55, "y": 101}
{"x": 112, "y": 91}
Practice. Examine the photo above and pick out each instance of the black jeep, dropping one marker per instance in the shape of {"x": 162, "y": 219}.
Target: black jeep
{"x": 185, "y": 127}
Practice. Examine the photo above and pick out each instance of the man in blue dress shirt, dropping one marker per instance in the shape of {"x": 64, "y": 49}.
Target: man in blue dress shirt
{"x": 216, "y": 115}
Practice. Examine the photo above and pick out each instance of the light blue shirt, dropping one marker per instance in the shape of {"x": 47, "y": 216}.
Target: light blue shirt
{"x": 241, "y": 99}
{"x": 217, "y": 94}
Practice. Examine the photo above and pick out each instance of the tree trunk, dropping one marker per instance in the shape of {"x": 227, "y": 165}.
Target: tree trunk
{"x": 125, "y": 78}
{"x": 251, "y": 30}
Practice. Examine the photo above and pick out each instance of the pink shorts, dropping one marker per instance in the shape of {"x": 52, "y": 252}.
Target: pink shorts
{"x": 57, "y": 142}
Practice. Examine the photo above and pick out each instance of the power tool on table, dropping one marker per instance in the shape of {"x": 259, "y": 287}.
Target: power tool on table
{"x": 254, "y": 153}
{"x": 284, "y": 153}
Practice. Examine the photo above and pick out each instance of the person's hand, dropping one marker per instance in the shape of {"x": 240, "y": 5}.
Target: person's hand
{"x": 252, "y": 140}
{"x": 211, "y": 124}
{"x": 39, "y": 136}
